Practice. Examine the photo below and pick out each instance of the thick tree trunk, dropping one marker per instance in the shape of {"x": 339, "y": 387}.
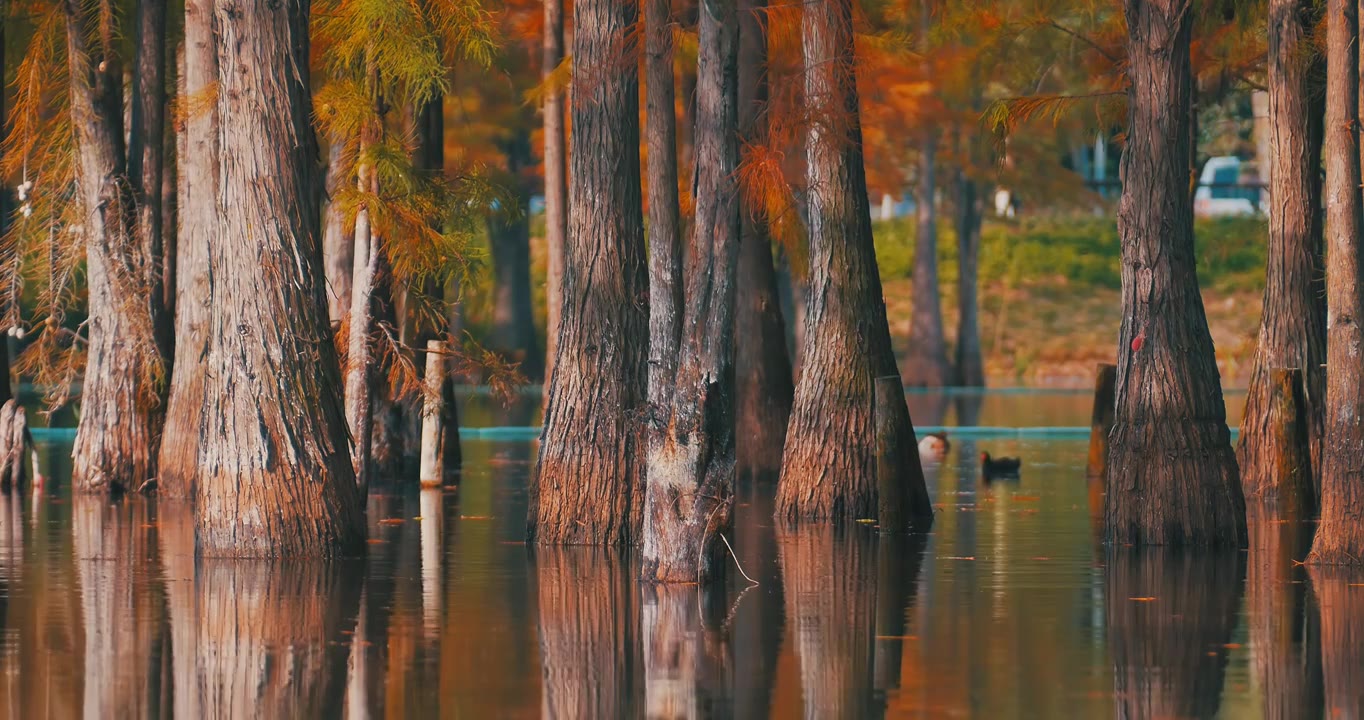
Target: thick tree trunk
{"x": 1285, "y": 629}
{"x": 1342, "y": 640}
{"x": 4, "y": 220}
{"x": 690, "y": 495}
{"x": 830, "y": 582}
{"x": 198, "y": 215}
{"x": 1293, "y": 318}
{"x": 588, "y": 484}
{"x": 762, "y": 363}
{"x": 120, "y": 419}
{"x": 926, "y": 362}
{"x": 338, "y": 240}
{"x": 1340, "y": 536}
{"x": 274, "y": 474}
{"x": 1171, "y": 470}
{"x": 590, "y": 651}
{"x": 828, "y": 470}
{"x": 1171, "y": 615}
{"x": 970, "y": 366}
{"x": 146, "y": 154}
{"x": 665, "y": 239}
{"x": 556, "y": 181}
{"x": 513, "y": 331}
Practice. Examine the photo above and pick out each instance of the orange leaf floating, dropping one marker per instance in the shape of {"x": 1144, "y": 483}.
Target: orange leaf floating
{"x": 376, "y": 541}
{"x": 1026, "y": 498}
{"x": 475, "y": 517}
{"x": 1142, "y": 599}
{"x": 1232, "y": 646}
{"x": 391, "y": 521}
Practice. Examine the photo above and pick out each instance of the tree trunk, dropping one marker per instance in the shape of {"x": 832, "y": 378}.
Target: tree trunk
{"x": 828, "y": 470}
{"x": 1340, "y": 535}
{"x": 588, "y": 484}
{"x": 338, "y": 241}
{"x": 665, "y": 239}
{"x": 1342, "y": 640}
{"x": 1293, "y": 318}
{"x": 274, "y": 475}
{"x": 513, "y": 330}
{"x": 1285, "y": 629}
{"x": 360, "y": 361}
{"x": 590, "y": 651}
{"x": 198, "y": 215}
{"x": 120, "y": 418}
{"x": 762, "y": 363}
{"x": 926, "y": 363}
{"x": 1170, "y": 617}
{"x": 830, "y": 583}
{"x": 1171, "y": 470}
{"x": 146, "y": 154}
{"x": 970, "y": 366}
{"x": 690, "y": 495}
{"x": 5, "y": 300}
{"x": 556, "y": 181}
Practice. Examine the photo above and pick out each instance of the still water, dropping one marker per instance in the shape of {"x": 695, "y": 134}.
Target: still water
{"x": 1010, "y": 608}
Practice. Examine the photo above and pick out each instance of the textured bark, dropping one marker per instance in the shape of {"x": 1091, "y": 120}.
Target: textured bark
{"x": 969, "y": 365}
{"x": 830, "y": 582}
{"x": 1342, "y": 640}
{"x": 1171, "y": 471}
{"x": 120, "y": 419}
{"x": 367, "y": 264}
{"x": 197, "y": 210}
{"x": 513, "y": 331}
{"x": 903, "y": 501}
{"x": 590, "y": 652}
{"x": 1171, "y": 614}
{"x": 4, "y": 220}
{"x": 665, "y": 238}
{"x": 1285, "y": 629}
{"x": 762, "y": 362}
{"x": 828, "y": 470}
{"x": 338, "y": 241}
{"x": 274, "y": 476}
{"x": 690, "y": 495}
{"x": 1293, "y": 318}
{"x": 146, "y": 154}
{"x": 1340, "y": 536}
{"x": 588, "y": 483}
{"x": 123, "y": 612}
{"x": 16, "y": 447}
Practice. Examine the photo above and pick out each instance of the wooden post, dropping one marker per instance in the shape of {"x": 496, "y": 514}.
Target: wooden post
{"x": 1101, "y": 420}
{"x": 15, "y": 438}
{"x": 433, "y": 416}
{"x": 888, "y": 405}
{"x": 1293, "y": 493}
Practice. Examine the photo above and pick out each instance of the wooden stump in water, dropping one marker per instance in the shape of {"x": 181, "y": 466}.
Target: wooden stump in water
{"x": 1291, "y": 490}
{"x": 903, "y": 501}
{"x": 1101, "y": 420}
{"x": 440, "y": 425}
{"x": 15, "y": 438}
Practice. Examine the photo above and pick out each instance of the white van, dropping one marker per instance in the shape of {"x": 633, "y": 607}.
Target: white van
{"x": 1218, "y": 193}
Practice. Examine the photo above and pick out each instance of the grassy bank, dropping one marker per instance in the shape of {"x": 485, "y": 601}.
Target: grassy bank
{"x": 1049, "y": 293}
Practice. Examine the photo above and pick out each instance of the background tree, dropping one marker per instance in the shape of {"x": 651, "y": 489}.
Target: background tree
{"x": 763, "y": 383}
{"x": 121, "y": 401}
{"x": 556, "y": 176}
{"x": 197, "y": 133}
{"x": 274, "y": 390}
{"x": 1171, "y": 472}
{"x": 828, "y": 468}
{"x": 1293, "y": 318}
{"x": 689, "y": 498}
{"x": 1340, "y": 538}
{"x": 588, "y": 483}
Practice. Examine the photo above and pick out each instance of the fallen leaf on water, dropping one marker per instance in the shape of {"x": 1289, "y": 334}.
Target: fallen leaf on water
{"x": 1040, "y": 557}
{"x": 475, "y": 517}
{"x": 867, "y": 521}
{"x": 148, "y": 526}
{"x": 391, "y": 521}
{"x": 1142, "y": 599}
{"x": 968, "y": 557}
{"x": 1232, "y": 646}
{"x": 1027, "y": 498}
{"x": 419, "y": 518}
{"x": 1355, "y": 585}
{"x": 1212, "y": 654}
{"x": 376, "y": 541}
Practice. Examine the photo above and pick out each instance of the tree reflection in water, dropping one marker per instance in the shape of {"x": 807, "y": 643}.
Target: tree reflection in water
{"x": 1171, "y": 614}
{"x": 1340, "y": 596}
{"x": 1285, "y": 628}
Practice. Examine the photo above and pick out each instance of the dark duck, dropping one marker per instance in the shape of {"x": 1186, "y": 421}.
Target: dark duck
{"x": 1003, "y": 467}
